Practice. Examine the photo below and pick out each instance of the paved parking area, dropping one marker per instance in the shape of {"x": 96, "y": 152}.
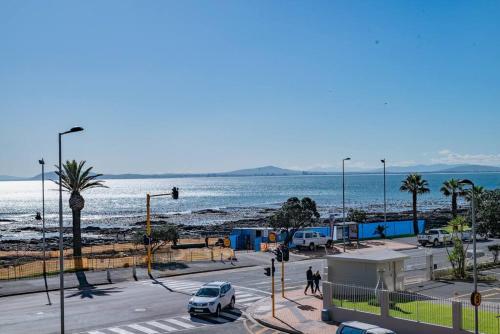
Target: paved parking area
{"x": 490, "y": 291}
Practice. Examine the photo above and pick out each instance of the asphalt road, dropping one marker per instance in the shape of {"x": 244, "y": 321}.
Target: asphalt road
{"x": 145, "y": 307}
{"x": 153, "y": 307}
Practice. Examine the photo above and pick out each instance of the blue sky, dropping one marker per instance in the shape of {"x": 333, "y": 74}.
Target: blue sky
{"x": 196, "y": 86}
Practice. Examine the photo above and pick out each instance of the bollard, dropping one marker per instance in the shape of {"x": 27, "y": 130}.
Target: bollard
{"x": 134, "y": 273}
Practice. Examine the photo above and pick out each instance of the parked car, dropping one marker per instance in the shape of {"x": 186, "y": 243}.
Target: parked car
{"x": 356, "y": 327}
{"x": 435, "y": 237}
{"x": 211, "y": 298}
{"x": 311, "y": 239}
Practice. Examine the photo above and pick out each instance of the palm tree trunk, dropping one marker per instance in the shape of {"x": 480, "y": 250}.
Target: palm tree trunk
{"x": 415, "y": 221}
{"x": 454, "y": 205}
{"x": 77, "y": 248}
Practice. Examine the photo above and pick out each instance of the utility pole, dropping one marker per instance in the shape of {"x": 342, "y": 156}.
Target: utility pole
{"x": 343, "y": 201}
{"x": 385, "y": 200}
{"x": 272, "y": 286}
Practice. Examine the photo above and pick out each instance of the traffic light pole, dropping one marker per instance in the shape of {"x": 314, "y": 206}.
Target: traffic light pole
{"x": 175, "y": 195}
{"x": 283, "y": 278}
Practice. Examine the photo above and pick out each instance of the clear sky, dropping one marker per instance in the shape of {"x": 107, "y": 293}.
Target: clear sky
{"x": 198, "y": 86}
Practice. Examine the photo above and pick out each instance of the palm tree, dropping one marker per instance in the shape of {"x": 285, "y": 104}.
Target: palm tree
{"x": 415, "y": 185}
{"x": 453, "y": 188}
{"x": 478, "y": 192}
{"x": 75, "y": 179}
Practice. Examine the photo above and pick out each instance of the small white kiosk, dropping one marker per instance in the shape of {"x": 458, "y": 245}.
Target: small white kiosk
{"x": 383, "y": 269}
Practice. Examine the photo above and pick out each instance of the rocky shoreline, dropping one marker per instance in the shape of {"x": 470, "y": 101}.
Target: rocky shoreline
{"x": 95, "y": 235}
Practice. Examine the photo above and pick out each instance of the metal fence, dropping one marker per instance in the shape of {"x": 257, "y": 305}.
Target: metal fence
{"x": 488, "y": 315}
{"x": 33, "y": 267}
{"x": 415, "y": 307}
{"x": 355, "y": 298}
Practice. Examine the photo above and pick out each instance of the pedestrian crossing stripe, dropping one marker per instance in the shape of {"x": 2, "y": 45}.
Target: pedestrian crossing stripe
{"x": 169, "y": 325}
{"x": 243, "y": 298}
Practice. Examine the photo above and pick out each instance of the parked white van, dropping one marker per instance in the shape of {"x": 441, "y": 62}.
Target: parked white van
{"x": 311, "y": 239}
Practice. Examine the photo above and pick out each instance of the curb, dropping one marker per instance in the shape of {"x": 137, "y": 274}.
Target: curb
{"x": 269, "y": 325}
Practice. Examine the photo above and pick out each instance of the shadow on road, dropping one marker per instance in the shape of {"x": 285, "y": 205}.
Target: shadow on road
{"x": 90, "y": 291}
{"x": 202, "y": 319}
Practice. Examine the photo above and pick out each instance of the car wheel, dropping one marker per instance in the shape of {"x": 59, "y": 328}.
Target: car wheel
{"x": 436, "y": 243}
{"x": 231, "y": 304}
{"x": 217, "y": 312}
{"x": 329, "y": 244}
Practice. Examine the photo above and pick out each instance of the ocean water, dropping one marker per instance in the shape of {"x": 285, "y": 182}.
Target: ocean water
{"x": 20, "y": 200}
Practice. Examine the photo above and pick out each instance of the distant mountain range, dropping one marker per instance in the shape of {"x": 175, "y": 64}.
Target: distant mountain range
{"x": 277, "y": 171}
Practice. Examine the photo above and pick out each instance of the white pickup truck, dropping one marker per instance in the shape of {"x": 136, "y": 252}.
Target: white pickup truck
{"x": 311, "y": 239}
{"x": 435, "y": 237}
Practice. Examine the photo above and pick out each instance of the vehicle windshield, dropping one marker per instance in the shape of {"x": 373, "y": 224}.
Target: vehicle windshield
{"x": 208, "y": 292}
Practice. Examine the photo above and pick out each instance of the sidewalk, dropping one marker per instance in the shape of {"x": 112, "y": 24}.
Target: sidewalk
{"x": 296, "y": 313}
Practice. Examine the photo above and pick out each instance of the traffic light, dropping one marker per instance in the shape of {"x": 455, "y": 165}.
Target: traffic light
{"x": 267, "y": 271}
{"x": 175, "y": 193}
{"x": 279, "y": 255}
{"x": 286, "y": 254}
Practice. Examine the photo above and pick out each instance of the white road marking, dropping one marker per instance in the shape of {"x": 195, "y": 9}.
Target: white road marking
{"x": 95, "y": 332}
{"x": 143, "y": 329}
{"x": 119, "y": 330}
{"x": 249, "y": 299}
{"x": 198, "y": 320}
{"x": 162, "y": 326}
{"x": 179, "y": 323}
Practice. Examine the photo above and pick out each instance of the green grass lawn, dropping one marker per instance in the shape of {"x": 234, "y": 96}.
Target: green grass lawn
{"x": 429, "y": 312}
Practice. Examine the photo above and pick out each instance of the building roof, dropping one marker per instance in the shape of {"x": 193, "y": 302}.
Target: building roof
{"x": 383, "y": 255}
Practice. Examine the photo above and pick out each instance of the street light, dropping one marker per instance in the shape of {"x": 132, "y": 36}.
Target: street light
{"x": 61, "y": 235}
{"x": 42, "y": 162}
{"x": 343, "y": 201}
{"x": 473, "y": 214}
{"x": 385, "y": 201}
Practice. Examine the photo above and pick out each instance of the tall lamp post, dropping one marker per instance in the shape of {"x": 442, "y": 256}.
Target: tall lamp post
{"x": 473, "y": 214}
{"x": 42, "y": 162}
{"x": 343, "y": 200}
{"x": 61, "y": 233}
{"x": 385, "y": 198}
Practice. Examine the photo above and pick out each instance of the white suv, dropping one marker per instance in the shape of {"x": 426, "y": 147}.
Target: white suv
{"x": 310, "y": 239}
{"x": 211, "y": 298}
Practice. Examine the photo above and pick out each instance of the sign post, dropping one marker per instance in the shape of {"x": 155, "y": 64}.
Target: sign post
{"x": 272, "y": 287}
{"x": 475, "y": 299}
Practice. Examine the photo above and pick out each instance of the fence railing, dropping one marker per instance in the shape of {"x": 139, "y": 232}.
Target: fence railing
{"x": 450, "y": 313}
{"x": 33, "y": 267}
{"x": 355, "y": 298}
{"x": 488, "y": 315}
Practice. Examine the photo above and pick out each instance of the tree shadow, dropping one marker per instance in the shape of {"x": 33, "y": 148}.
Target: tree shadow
{"x": 155, "y": 281}
{"x": 91, "y": 291}
{"x": 286, "y": 324}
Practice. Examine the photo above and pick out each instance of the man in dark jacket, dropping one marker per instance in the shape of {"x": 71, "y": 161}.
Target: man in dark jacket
{"x": 309, "y": 276}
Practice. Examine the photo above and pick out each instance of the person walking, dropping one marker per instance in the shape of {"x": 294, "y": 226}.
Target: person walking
{"x": 317, "y": 278}
{"x": 309, "y": 276}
